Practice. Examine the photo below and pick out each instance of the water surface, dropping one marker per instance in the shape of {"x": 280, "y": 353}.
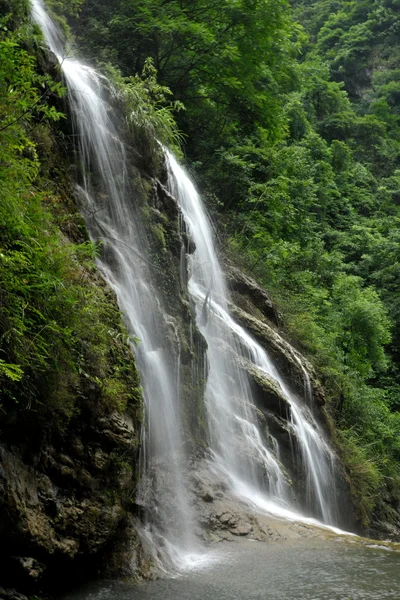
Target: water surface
{"x": 288, "y": 570}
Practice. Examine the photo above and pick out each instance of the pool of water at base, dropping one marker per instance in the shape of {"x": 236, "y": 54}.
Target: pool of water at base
{"x": 335, "y": 569}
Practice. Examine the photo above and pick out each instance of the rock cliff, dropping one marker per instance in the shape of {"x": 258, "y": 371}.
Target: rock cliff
{"x": 69, "y": 459}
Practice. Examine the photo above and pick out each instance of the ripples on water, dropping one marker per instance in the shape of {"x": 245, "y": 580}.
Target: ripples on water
{"x": 300, "y": 570}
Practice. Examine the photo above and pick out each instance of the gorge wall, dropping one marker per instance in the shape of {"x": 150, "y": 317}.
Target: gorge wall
{"x": 74, "y": 492}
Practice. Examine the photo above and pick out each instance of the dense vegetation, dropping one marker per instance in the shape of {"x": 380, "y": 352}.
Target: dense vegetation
{"x": 60, "y": 329}
{"x": 292, "y": 127}
{"x": 292, "y": 121}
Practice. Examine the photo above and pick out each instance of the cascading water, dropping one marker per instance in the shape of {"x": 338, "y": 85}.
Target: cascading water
{"x": 239, "y": 452}
{"x": 247, "y": 460}
{"x": 111, "y": 218}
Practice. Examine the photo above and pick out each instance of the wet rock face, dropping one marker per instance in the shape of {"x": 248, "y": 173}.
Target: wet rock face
{"x": 289, "y": 361}
{"x": 223, "y": 517}
{"x": 249, "y": 296}
{"x": 253, "y": 310}
{"x": 11, "y": 594}
{"x": 182, "y": 339}
{"x": 61, "y": 506}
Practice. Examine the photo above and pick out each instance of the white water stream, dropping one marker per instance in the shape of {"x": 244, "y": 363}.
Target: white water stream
{"x": 248, "y": 461}
{"x": 106, "y": 198}
{"x": 242, "y": 456}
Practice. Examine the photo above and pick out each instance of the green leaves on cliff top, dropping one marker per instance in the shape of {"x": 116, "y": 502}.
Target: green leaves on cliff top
{"x": 225, "y": 61}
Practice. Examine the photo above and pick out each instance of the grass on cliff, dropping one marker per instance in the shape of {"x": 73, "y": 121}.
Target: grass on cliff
{"x": 60, "y": 328}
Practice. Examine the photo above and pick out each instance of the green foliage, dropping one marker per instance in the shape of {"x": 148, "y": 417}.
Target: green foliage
{"x": 65, "y": 7}
{"x": 205, "y": 53}
{"x": 60, "y": 329}
{"x": 365, "y": 475}
{"x": 13, "y": 372}
{"x": 295, "y": 136}
{"x": 150, "y": 117}
{"x": 364, "y": 326}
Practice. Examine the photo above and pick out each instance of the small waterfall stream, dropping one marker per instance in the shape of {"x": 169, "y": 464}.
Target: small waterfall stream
{"x": 248, "y": 461}
{"x": 242, "y": 456}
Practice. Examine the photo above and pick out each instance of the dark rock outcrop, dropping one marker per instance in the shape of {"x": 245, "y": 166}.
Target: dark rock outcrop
{"x": 62, "y": 505}
{"x": 248, "y": 295}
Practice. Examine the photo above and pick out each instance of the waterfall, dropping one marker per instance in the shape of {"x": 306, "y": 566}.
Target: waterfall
{"x": 240, "y": 453}
{"x": 108, "y": 205}
{"x": 246, "y": 459}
